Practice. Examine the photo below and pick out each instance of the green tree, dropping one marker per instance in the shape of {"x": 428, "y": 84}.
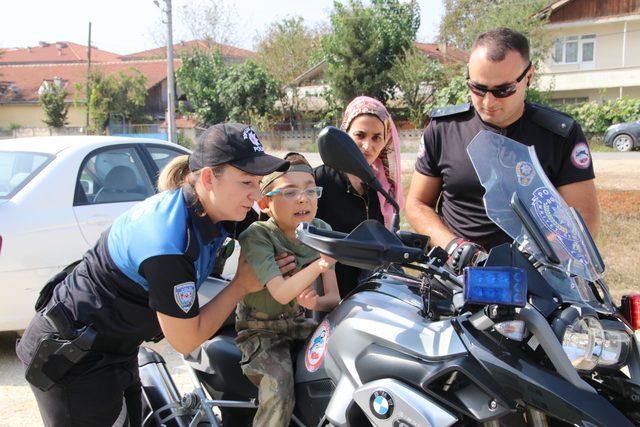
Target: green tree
{"x": 52, "y": 103}
{"x": 464, "y": 20}
{"x": 286, "y": 48}
{"x": 456, "y": 92}
{"x": 216, "y": 92}
{"x": 364, "y": 44}
{"x": 249, "y": 91}
{"x": 200, "y": 77}
{"x": 110, "y": 94}
{"x": 419, "y": 78}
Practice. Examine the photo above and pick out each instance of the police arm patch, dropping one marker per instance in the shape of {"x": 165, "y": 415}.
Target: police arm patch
{"x": 581, "y": 156}
{"x": 185, "y": 295}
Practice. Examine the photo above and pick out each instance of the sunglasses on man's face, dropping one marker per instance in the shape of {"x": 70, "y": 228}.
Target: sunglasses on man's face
{"x": 502, "y": 91}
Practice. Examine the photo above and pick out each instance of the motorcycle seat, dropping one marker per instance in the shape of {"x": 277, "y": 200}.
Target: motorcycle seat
{"x": 219, "y": 361}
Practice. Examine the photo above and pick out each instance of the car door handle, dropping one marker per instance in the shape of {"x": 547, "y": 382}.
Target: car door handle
{"x": 98, "y": 220}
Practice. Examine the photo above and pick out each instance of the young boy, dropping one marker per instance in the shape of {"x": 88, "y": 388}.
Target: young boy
{"x": 269, "y": 320}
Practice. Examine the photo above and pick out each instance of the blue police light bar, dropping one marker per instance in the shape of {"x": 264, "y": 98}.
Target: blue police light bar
{"x": 495, "y": 285}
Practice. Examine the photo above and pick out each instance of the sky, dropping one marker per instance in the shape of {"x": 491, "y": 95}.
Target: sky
{"x": 127, "y": 26}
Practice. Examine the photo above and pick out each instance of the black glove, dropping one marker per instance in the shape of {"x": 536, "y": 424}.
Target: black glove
{"x": 463, "y": 253}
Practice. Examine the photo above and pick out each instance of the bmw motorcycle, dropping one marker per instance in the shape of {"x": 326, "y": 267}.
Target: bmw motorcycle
{"x": 531, "y": 337}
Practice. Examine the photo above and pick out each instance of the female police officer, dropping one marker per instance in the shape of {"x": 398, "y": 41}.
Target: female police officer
{"x": 141, "y": 279}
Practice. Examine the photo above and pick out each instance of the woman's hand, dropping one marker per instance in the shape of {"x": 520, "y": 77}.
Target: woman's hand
{"x": 326, "y": 263}
{"x": 286, "y": 263}
{"x": 245, "y": 277}
{"x": 308, "y": 298}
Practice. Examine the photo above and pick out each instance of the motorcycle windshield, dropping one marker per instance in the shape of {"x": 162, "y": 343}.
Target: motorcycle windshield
{"x": 505, "y": 167}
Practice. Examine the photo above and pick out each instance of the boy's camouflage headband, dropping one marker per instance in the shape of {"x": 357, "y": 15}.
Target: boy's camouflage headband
{"x": 275, "y": 175}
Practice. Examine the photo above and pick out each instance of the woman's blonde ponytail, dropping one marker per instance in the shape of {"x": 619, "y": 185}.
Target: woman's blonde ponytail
{"x": 174, "y": 174}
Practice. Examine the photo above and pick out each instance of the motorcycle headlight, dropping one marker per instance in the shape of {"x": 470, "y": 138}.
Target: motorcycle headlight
{"x": 590, "y": 343}
{"x": 615, "y": 348}
{"x": 583, "y": 341}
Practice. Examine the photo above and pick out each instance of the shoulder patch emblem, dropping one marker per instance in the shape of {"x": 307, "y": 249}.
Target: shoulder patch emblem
{"x": 185, "y": 295}
{"x": 581, "y": 156}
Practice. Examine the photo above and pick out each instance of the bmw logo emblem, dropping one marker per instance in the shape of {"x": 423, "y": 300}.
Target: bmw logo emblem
{"x": 381, "y": 404}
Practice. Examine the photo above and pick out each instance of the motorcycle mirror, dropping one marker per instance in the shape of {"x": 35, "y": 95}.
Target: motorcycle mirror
{"x": 341, "y": 153}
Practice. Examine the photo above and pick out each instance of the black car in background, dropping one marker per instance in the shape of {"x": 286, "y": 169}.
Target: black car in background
{"x": 623, "y": 136}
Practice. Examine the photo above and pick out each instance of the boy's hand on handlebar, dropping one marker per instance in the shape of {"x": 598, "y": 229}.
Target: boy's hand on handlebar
{"x": 308, "y": 298}
{"x": 326, "y": 263}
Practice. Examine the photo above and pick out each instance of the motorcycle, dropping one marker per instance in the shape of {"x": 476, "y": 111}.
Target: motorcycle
{"x": 531, "y": 337}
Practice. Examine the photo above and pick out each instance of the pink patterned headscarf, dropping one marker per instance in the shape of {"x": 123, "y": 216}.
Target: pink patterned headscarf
{"x": 387, "y": 166}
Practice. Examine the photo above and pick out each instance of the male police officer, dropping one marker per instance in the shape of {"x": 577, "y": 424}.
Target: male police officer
{"x": 499, "y": 72}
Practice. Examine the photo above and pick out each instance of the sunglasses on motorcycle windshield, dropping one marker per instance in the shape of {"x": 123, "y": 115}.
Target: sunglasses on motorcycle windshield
{"x": 502, "y": 91}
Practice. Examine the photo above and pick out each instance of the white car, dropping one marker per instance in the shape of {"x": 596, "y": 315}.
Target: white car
{"x": 57, "y": 195}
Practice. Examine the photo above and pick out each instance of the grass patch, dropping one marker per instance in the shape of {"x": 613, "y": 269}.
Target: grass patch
{"x": 619, "y": 240}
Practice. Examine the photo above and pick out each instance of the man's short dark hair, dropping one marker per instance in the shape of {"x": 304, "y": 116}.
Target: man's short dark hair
{"x": 500, "y": 41}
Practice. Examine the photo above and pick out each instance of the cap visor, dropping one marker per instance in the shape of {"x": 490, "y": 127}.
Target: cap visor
{"x": 261, "y": 165}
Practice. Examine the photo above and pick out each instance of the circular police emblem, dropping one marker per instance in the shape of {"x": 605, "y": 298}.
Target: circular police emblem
{"x": 525, "y": 173}
{"x": 381, "y": 404}
{"x": 581, "y": 156}
{"x": 250, "y": 135}
{"x": 317, "y": 346}
{"x": 556, "y": 219}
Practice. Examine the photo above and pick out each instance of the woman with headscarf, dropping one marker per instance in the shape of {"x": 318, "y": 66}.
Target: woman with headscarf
{"x": 347, "y": 201}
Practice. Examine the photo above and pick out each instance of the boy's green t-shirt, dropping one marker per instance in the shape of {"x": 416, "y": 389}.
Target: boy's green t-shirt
{"x": 261, "y": 242}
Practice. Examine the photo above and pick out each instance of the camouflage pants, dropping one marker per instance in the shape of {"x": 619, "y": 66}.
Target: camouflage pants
{"x": 266, "y": 361}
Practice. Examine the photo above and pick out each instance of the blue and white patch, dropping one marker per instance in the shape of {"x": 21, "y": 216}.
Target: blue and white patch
{"x": 381, "y": 404}
{"x": 185, "y": 295}
{"x": 581, "y": 156}
{"x": 525, "y": 173}
{"x": 250, "y": 135}
{"x": 548, "y": 209}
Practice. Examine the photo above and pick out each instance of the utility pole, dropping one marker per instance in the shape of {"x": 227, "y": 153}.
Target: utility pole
{"x": 88, "y": 85}
{"x": 171, "y": 95}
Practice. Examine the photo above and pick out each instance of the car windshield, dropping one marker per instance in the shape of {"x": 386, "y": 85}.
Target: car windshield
{"x": 506, "y": 167}
{"x": 18, "y": 168}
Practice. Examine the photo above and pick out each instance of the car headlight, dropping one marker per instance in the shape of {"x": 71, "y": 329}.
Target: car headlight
{"x": 588, "y": 344}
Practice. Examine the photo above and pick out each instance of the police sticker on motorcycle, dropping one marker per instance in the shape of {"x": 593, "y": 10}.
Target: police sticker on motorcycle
{"x": 381, "y": 404}
{"x": 317, "y": 347}
{"x": 525, "y": 173}
{"x": 185, "y": 295}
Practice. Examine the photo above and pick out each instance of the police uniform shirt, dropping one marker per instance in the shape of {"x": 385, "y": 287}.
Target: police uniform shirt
{"x": 153, "y": 259}
{"x": 560, "y": 146}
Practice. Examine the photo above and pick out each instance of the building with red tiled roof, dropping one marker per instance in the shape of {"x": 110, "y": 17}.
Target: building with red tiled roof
{"x": 58, "y": 52}
{"x": 230, "y": 54}
{"x": 442, "y": 53}
{"x": 20, "y": 86}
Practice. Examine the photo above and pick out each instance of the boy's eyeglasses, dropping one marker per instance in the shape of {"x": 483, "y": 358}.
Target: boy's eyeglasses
{"x": 294, "y": 193}
{"x": 503, "y": 91}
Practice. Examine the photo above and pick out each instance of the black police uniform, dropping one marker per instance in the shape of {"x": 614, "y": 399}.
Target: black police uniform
{"x": 560, "y": 146}
{"x": 152, "y": 259}
{"x": 343, "y": 208}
